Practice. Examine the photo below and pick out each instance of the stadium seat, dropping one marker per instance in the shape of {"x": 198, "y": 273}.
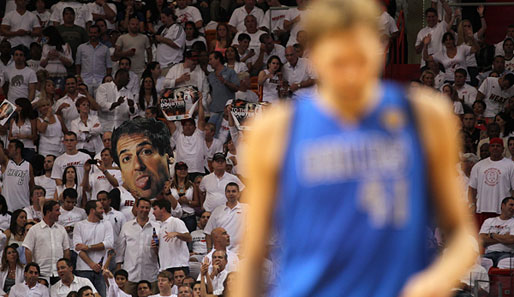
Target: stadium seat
{"x": 501, "y": 282}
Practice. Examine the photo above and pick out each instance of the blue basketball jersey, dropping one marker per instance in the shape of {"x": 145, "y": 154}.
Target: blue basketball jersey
{"x": 352, "y": 208}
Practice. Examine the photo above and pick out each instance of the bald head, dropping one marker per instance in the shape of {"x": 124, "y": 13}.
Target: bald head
{"x": 251, "y": 23}
{"x": 291, "y": 55}
{"x": 220, "y": 238}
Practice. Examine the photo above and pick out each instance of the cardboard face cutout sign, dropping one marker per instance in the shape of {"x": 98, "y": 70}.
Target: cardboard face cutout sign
{"x": 243, "y": 110}
{"x": 6, "y": 111}
{"x": 179, "y": 103}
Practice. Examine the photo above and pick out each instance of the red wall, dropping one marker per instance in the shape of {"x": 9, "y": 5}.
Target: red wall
{"x": 498, "y": 18}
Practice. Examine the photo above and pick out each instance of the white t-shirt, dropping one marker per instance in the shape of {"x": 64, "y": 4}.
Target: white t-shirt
{"x": 451, "y": 64}
{"x": 191, "y": 149}
{"x": 127, "y": 201}
{"x": 95, "y": 8}
{"x": 291, "y": 14}
{"x": 468, "y": 94}
{"x": 509, "y": 64}
{"x": 28, "y": 22}
{"x": 16, "y": 180}
{"x": 82, "y": 14}
{"x": 166, "y": 55}
{"x": 19, "y": 80}
{"x": 66, "y": 160}
{"x": 498, "y": 226}
{"x": 255, "y": 43}
{"x": 230, "y": 219}
{"x": 47, "y": 183}
{"x": 436, "y": 43}
{"x": 277, "y": 19}
{"x": 238, "y": 17}
{"x": 495, "y": 97}
{"x": 173, "y": 253}
{"x": 98, "y": 182}
{"x": 215, "y": 189}
{"x": 387, "y": 24}
{"x": 493, "y": 181}
{"x": 188, "y": 14}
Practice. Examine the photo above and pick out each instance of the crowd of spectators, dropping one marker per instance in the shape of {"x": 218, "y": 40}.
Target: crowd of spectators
{"x": 76, "y": 218}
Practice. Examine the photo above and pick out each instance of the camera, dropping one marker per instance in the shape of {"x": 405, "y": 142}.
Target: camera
{"x": 92, "y": 161}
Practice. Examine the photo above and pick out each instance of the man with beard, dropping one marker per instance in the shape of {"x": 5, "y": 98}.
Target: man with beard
{"x": 91, "y": 238}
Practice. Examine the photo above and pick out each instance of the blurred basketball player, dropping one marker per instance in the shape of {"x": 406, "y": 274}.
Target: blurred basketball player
{"x": 348, "y": 176}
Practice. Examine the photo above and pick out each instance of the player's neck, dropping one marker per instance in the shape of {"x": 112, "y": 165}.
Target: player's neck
{"x": 351, "y": 106}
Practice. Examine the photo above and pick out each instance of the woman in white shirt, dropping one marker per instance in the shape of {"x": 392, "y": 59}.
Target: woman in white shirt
{"x": 23, "y": 127}
{"x": 153, "y": 69}
{"x": 270, "y": 79}
{"x": 147, "y": 96}
{"x": 87, "y": 127}
{"x": 452, "y": 57}
{"x": 233, "y": 62}
{"x": 56, "y": 56}
{"x": 51, "y": 130}
{"x": 186, "y": 193}
{"x": 11, "y": 271}
{"x": 69, "y": 181}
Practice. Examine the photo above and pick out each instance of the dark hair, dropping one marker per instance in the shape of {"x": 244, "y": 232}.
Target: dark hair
{"x": 162, "y": 203}
{"x": 37, "y": 187}
{"x": 121, "y": 272}
{"x": 218, "y": 56}
{"x": 461, "y": 71}
{"x": 13, "y": 226}
{"x": 20, "y": 48}
{"x": 49, "y": 205}
{"x": 196, "y": 33}
{"x": 114, "y": 195}
{"x": 17, "y": 143}
{"x": 142, "y": 94}
{"x": 446, "y": 35}
{"x": 5, "y": 265}
{"x": 481, "y": 102}
{"x": 26, "y": 112}
{"x": 232, "y": 184}
{"x": 70, "y": 133}
{"x": 91, "y": 204}
{"x": 263, "y": 37}
{"x": 106, "y": 76}
{"x": 103, "y": 192}
{"x": 149, "y": 67}
{"x": 83, "y": 289}
{"x": 98, "y": 21}
{"x": 95, "y": 27}
{"x": 81, "y": 100}
{"x": 32, "y": 264}
{"x": 54, "y": 38}
{"x": 143, "y": 199}
{"x": 270, "y": 59}
{"x": 144, "y": 281}
{"x": 64, "y": 174}
{"x": 168, "y": 11}
{"x": 243, "y": 36}
{"x": 237, "y": 58}
{"x": 430, "y": 9}
{"x": 199, "y": 46}
{"x": 69, "y": 193}
{"x": 506, "y": 200}
{"x": 68, "y": 9}
{"x": 73, "y": 294}
{"x": 66, "y": 260}
{"x": 3, "y": 205}
{"x": 71, "y": 77}
{"x": 156, "y": 131}
{"x": 125, "y": 58}
{"x": 510, "y": 78}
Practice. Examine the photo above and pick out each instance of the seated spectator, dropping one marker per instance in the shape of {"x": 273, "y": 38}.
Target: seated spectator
{"x": 184, "y": 191}
{"x": 198, "y": 244}
{"x": 87, "y": 127}
{"x": 114, "y": 283}
{"x": 35, "y": 57}
{"x": 5, "y": 216}
{"x": 222, "y": 40}
{"x": 37, "y": 199}
{"x": 292, "y": 21}
{"x": 133, "y": 84}
{"x": 495, "y": 92}
{"x": 65, "y": 107}
{"x": 449, "y": 91}
{"x": 164, "y": 283}
{"x": 251, "y": 23}
{"x": 427, "y": 78}
{"x": 297, "y": 72}
{"x": 170, "y": 42}
{"x": 144, "y": 288}
{"x": 277, "y": 17}
{"x": 496, "y": 233}
{"x": 147, "y": 96}
{"x": 497, "y": 70}
{"x": 499, "y": 46}
{"x": 233, "y": 62}
{"x": 438, "y": 71}
{"x": 214, "y": 276}
{"x": 102, "y": 177}
{"x": 11, "y": 270}
{"x": 193, "y": 35}
{"x": 237, "y": 20}
{"x": 46, "y": 180}
{"x": 221, "y": 242}
{"x": 268, "y": 49}
{"x": 101, "y": 10}
{"x": 466, "y": 93}
{"x": 16, "y": 232}
{"x": 271, "y": 79}
{"x": 187, "y": 74}
{"x": 17, "y": 87}
{"x": 68, "y": 281}
{"x": 246, "y": 54}
{"x": 31, "y": 284}
{"x": 508, "y": 48}
{"x": 245, "y": 93}
{"x": 47, "y": 92}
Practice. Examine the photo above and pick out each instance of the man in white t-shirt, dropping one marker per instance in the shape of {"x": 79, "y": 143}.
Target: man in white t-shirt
{"x": 495, "y": 91}
{"x": 46, "y": 181}
{"x": 250, "y": 28}
{"x": 71, "y": 157}
{"x": 20, "y": 80}
{"x": 65, "y": 107}
{"x": 187, "y": 13}
{"x": 497, "y": 234}
{"x": 237, "y": 19}
{"x": 190, "y": 142}
{"x": 466, "y": 93}
{"x": 20, "y": 26}
{"x": 187, "y": 73}
{"x": 171, "y": 41}
{"x": 100, "y": 9}
{"x": 435, "y": 29}
{"x": 213, "y": 185}
{"x": 82, "y": 13}
{"x": 491, "y": 180}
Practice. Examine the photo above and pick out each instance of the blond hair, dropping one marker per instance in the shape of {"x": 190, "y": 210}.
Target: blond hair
{"x": 325, "y": 17}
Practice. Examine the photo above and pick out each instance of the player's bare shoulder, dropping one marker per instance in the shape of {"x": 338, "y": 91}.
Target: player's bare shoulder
{"x": 431, "y": 105}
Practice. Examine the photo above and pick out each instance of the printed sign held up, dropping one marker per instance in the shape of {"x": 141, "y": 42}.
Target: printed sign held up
{"x": 179, "y": 103}
{"x": 244, "y": 110}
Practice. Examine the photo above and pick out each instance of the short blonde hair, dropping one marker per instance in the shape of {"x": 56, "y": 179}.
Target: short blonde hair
{"x": 325, "y": 17}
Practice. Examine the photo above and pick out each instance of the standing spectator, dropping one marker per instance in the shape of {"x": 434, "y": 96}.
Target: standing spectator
{"x": 56, "y": 56}
{"x": 190, "y": 143}
{"x": 58, "y": 17}
{"x": 498, "y": 69}
{"x": 229, "y": 216}
{"x": 173, "y": 239}
{"x": 221, "y": 242}
{"x": 186, "y": 193}
{"x": 20, "y": 79}
{"x": 5, "y": 55}
{"x": 435, "y": 29}
{"x": 11, "y": 271}
{"x": 71, "y": 157}
{"x": 116, "y": 101}
{"x": 212, "y": 144}
{"x": 101, "y": 10}
{"x": 193, "y": 35}
{"x": 23, "y": 128}
{"x": 292, "y": 21}
{"x": 469, "y": 129}
{"x": 42, "y": 14}
{"x": 144, "y": 288}
{"x": 45, "y": 180}
{"x": 216, "y": 274}
{"x": 34, "y": 63}
{"x": 20, "y": 26}
{"x": 188, "y": 13}
{"x": 37, "y": 199}
{"x": 87, "y": 127}
{"x": 499, "y": 46}
{"x": 65, "y": 107}
{"x": 47, "y": 241}
{"x": 70, "y": 215}
{"x": 187, "y": 73}
{"x": 115, "y": 217}
{"x": 253, "y": 31}
{"x": 16, "y": 232}
{"x": 69, "y": 181}
{"x": 213, "y": 185}
{"x": 153, "y": 69}
{"x": 224, "y": 83}
{"x": 237, "y": 20}
{"x": 93, "y": 61}
{"x": 5, "y": 216}
{"x": 50, "y": 128}
{"x": 134, "y": 45}
{"x": 465, "y": 92}
{"x": 69, "y": 282}
{"x": 494, "y": 92}
{"x": 276, "y": 18}
{"x": 18, "y": 176}
{"x": 133, "y": 85}
{"x": 297, "y": 71}
{"x": 31, "y": 286}
{"x": 147, "y": 96}
{"x": 106, "y": 141}
{"x": 47, "y": 92}
{"x": 104, "y": 177}
{"x": 222, "y": 40}
{"x": 134, "y": 248}
{"x": 491, "y": 180}
{"x": 91, "y": 238}
{"x": 71, "y": 33}
{"x": 232, "y": 60}
{"x": 171, "y": 42}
